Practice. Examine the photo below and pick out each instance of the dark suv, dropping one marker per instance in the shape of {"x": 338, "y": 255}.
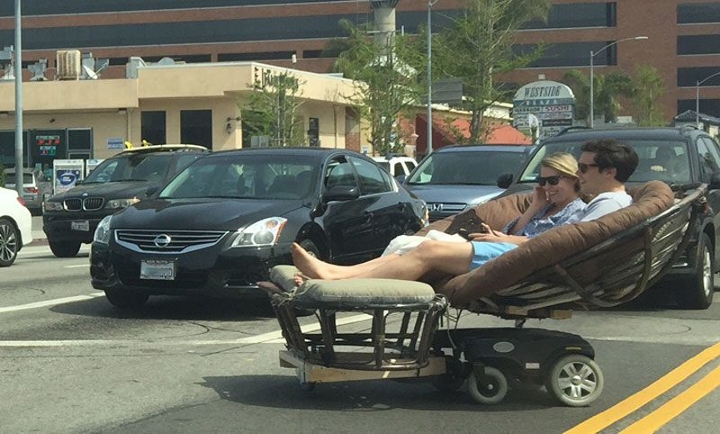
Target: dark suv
{"x": 682, "y": 157}
{"x": 70, "y": 218}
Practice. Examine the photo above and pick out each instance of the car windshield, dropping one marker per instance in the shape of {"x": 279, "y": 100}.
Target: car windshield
{"x": 131, "y": 167}
{"x": 663, "y": 160}
{"x": 246, "y": 176}
{"x": 467, "y": 168}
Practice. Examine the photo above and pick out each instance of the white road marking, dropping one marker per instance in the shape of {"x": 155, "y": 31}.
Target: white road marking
{"x": 77, "y": 266}
{"x": 47, "y": 303}
{"x": 265, "y": 338}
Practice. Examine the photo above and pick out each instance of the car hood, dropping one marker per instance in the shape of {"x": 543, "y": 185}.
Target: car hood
{"x": 469, "y": 194}
{"x": 200, "y": 214}
{"x": 108, "y": 190}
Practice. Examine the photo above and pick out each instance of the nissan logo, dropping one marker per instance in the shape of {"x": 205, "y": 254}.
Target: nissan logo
{"x": 435, "y": 207}
{"x": 162, "y": 240}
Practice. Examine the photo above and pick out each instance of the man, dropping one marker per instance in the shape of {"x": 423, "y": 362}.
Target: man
{"x": 602, "y": 170}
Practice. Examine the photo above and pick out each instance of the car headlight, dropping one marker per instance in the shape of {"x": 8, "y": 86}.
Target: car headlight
{"x": 265, "y": 232}
{"x": 121, "y": 203}
{"x": 102, "y": 232}
{"x": 53, "y": 206}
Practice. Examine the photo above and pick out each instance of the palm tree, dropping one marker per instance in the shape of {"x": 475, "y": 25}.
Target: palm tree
{"x": 606, "y": 89}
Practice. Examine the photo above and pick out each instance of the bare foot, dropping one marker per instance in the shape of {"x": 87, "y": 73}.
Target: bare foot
{"x": 300, "y": 279}
{"x": 309, "y": 266}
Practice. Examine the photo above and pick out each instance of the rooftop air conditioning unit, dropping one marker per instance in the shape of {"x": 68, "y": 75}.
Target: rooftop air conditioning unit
{"x": 69, "y": 65}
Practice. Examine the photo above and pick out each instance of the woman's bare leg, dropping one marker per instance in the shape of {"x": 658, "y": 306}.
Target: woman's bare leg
{"x": 310, "y": 263}
{"x": 431, "y": 255}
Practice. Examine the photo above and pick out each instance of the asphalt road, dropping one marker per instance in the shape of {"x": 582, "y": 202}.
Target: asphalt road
{"x": 70, "y": 362}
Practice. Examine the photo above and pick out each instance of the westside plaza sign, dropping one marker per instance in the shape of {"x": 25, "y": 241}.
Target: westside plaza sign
{"x": 551, "y": 102}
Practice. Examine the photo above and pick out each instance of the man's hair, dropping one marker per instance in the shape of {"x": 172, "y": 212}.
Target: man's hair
{"x": 611, "y": 153}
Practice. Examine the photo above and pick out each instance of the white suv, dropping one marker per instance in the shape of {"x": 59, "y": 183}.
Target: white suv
{"x": 396, "y": 166}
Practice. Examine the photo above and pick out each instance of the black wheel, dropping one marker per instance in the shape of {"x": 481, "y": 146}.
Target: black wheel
{"x": 575, "y": 380}
{"x": 9, "y": 242}
{"x": 697, "y": 292}
{"x": 126, "y": 299}
{"x": 488, "y": 388}
{"x": 64, "y": 250}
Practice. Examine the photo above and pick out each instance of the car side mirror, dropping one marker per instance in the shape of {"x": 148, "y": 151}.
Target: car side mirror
{"x": 151, "y": 190}
{"x": 341, "y": 193}
{"x": 714, "y": 181}
{"x": 400, "y": 178}
{"x": 504, "y": 180}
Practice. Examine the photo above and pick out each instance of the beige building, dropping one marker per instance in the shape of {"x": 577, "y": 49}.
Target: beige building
{"x": 180, "y": 103}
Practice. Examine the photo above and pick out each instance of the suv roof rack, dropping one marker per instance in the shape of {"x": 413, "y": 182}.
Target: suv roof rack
{"x": 572, "y": 128}
{"x": 151, "y": 148}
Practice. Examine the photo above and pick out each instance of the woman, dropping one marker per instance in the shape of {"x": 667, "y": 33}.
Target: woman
{"x": 555, "y": 200}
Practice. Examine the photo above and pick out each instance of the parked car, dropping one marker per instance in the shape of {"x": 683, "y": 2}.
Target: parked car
{"x": 396, "y": 165}
{"x": 70, "y": 218}
{"x": 35, "y": 188}
{"x": 679, "y": 156}
{"x": 219, "y": 226}
{"x": 456, "y": 178}
{"x": 15, "y": 226}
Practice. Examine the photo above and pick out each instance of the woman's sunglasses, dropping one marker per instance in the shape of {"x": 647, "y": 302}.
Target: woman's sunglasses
{"x": 552, "y": 180}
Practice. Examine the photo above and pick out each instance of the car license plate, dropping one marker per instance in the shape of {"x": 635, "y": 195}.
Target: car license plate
{"x": 80, "y": 225}
{"x": 157, "y": 269}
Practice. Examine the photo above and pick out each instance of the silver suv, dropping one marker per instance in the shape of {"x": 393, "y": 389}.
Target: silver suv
{"x": 35, "y": 188}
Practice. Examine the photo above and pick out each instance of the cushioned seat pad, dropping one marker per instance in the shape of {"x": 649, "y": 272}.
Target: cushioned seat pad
{"x": 351, "y": 292}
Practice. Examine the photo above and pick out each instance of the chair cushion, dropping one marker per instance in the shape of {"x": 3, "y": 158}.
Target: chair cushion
{"x": 351, "y": 292}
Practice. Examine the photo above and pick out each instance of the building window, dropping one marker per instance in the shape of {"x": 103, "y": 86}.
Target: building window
{"x": 249, "y": 57}
{"x": 196, "y": 127}
{"x": 707, "y": 106}
{"x": 571, "y": 54}
{"x": 574, "y": 15}
{"x": 688, "y": 77}
{"x": 153, "y": 127}
{"x": 698, "y": 44}
{"x": 80, "y": 139}
{"x": 698, "y": 13}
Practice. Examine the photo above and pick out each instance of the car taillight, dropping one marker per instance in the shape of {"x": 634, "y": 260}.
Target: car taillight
{"x": 31, "y": 190}
{"x": 21, "y": 200}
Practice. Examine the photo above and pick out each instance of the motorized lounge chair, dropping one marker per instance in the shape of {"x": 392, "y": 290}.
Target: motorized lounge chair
{"x": 594, "y": 264}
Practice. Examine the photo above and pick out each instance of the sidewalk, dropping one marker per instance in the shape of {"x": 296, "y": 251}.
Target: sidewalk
{"x": 37, "y": 232}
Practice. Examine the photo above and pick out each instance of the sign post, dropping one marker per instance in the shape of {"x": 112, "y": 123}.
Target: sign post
{"x": 551, "y": 103}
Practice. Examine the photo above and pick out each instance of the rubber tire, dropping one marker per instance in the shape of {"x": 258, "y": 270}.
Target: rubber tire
{"x": 126, "y": 299}
{"x": 9, "y": 242}
{"x": 64, "y": 250}
{"x": 490, "y": 389}
{"x": 697, "y": 292}
{"x": 558, "y": 383}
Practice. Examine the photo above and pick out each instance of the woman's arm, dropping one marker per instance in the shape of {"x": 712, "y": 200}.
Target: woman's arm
{"x": 539, "y": 200}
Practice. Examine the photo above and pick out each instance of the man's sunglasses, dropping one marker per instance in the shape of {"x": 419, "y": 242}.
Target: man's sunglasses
{"x": 552, "y": 180}
{"x": 583, "y": 167}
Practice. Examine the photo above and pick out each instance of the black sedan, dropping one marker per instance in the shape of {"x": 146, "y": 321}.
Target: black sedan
{"x": 220, "y": 224}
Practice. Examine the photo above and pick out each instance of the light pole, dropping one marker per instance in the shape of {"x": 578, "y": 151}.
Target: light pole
{"x": 592, "y": 75}
{"x": 697, "y": 97}
{"x": 431, "y": 3}
{"x": 18, "y": 102}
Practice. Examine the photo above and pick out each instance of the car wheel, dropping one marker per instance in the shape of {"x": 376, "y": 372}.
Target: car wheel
{"x": 64, "y": 250}
{"x": 126, "y": 299}
{"x": 697, "y": 292}
{"x": 9, "y": 242}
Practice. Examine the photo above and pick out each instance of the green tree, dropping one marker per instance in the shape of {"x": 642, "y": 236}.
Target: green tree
{"x": 388, "y": 71}
{"x": 2, "y": 175}
{"x": 272, "y": 109}
{"x": 647, "y": 87}
{"x": 607, "y": 89}
{"x": 477, "y": 46}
